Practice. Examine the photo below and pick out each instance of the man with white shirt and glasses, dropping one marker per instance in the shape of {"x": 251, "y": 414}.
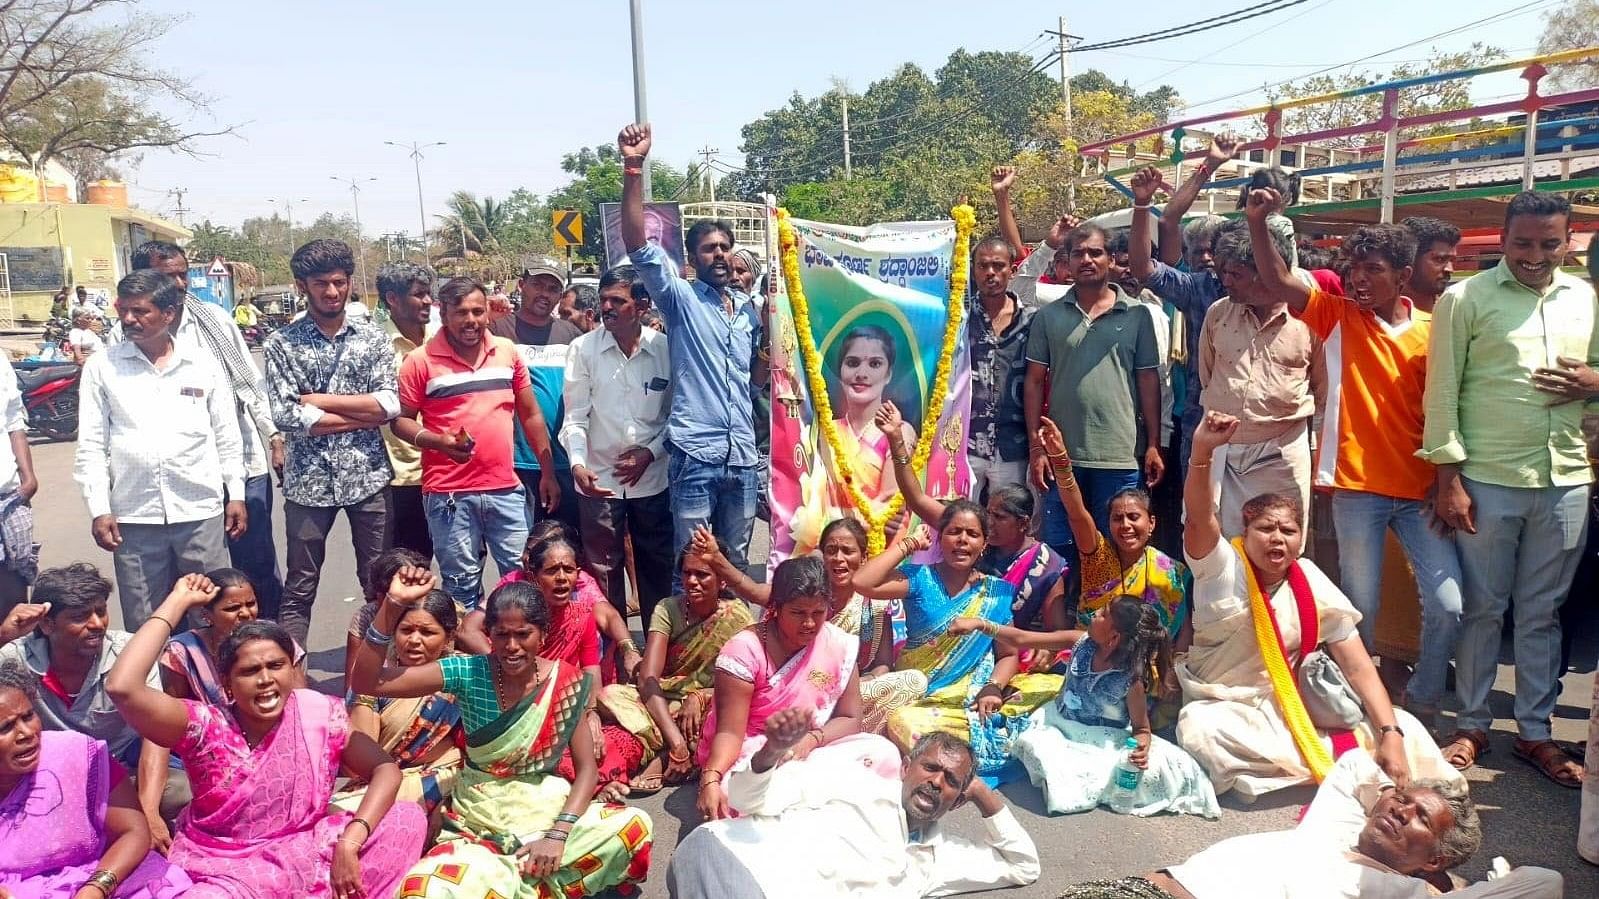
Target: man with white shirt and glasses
{"x": 618, "y": 393}
{"x": 332, "y": 387}
{"x": 158, "y": 444}
{"x": 207, "y": 329}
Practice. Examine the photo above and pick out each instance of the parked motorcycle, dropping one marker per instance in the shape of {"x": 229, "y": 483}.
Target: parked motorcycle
{"x": 50, "y": 397}
{"x": 56, "y": 331}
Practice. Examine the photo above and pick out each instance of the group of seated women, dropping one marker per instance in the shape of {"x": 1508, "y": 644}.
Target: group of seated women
{"x": 489, "y": 753}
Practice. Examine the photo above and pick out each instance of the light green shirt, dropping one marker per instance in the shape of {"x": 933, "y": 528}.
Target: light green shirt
{"x": 1489, "y": 334}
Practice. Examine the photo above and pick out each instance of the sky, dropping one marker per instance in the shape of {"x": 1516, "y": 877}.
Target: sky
{"x": 314, "y": 89}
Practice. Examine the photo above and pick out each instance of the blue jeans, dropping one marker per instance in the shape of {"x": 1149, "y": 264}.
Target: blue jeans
{"x": 254, "y": 553}
{"x": 1097, "y": 485}
{"x": 462, "y": 523}
{"x": 1528, "y": 543}
{"x": 1362, "y": 521}
{"x": 721, "y": 495}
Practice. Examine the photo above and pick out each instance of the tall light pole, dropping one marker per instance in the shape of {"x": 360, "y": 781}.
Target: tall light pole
{"x": 640, "y": 113}
{"x": 288, "y": 216}
{"x": 415, "y": 150}
{"x": 355, "y": 197}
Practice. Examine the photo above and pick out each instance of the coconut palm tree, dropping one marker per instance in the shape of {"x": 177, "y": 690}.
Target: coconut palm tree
{"x": 473, "y": 225}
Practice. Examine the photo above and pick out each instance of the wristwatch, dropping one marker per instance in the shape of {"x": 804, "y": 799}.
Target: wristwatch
{"x": 1381, "y": 731}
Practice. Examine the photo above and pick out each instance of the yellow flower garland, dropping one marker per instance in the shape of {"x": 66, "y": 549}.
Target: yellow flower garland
{"x": 876, "y": 518}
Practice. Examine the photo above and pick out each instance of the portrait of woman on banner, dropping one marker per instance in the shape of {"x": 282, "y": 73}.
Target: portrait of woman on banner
{"x": 860, "y": 378}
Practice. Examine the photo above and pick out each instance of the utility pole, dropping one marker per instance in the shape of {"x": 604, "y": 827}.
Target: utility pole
{"x": 1065, "y": 51}
{"x": 288, "y": 217}
{"x": 415, "y": 151}
{"x": 706, "y": 173}
{"x": 179, "y": 192}
{"x": 842, "y": 87}
{"x": 848, "y": 173}
{"x": 360, "y": 250}
{"x": 640, "y": 113}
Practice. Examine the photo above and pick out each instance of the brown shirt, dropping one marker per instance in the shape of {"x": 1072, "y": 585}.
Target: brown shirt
{"x": 1266, "y": 373}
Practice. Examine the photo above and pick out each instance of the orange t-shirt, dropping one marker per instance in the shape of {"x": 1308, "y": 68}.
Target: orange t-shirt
{"x": 1376, "y": 375}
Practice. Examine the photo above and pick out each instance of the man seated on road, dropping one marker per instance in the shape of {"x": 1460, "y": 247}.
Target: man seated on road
{"x": 64, "y": 639}
{"x": 1362, "y": 836}
{"x": 862, "y": 824}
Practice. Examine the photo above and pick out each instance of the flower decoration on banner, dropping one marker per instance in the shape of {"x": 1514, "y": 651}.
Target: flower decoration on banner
{"x": 877, "y": 516}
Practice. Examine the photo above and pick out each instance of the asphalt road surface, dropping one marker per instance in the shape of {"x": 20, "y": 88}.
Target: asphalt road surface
{"x": 1525, "y": 818}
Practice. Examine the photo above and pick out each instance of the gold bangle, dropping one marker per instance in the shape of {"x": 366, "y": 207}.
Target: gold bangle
{"x": 1068, "y": 484}
{"x": 672, "y": 754}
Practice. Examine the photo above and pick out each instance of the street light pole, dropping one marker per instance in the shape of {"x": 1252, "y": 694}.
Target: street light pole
{"x": 360, "y": 247}
{"x": 415, "y": 150}
{"x": 640, "y": 113}
{"x": 288, "y": 217}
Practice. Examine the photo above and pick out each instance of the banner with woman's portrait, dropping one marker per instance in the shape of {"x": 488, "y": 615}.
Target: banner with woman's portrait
{"x": 876, "y": 301}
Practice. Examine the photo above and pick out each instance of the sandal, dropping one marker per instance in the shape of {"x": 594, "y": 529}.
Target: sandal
{"x": 1550, "y": 760}
{"x": 1464, "y": 748}
{"x": 644, "y": 785}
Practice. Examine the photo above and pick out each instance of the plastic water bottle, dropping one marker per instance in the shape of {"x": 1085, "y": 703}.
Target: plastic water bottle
{"x": 1124, "y": 782}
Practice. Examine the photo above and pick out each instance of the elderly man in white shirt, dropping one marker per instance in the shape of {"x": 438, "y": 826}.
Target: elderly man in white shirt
{"x": 852, "y": 824}
{"x": 1361, "y": 838}
{"x": 158, "y": 444}
{"x": 617, "y": 392}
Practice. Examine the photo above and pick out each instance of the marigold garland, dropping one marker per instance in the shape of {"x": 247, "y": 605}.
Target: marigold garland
{"x": 876, "y": 518}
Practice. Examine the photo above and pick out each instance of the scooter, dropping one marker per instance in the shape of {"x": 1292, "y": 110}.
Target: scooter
{"x": 50, "y": 397}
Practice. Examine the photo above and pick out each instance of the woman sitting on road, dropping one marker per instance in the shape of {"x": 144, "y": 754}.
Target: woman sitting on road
{"x": 512, "y": 826}
{"x": 380, "y": 572}
{"x": 1036, "y": 572}
{"x": 1244, "y": 719}
{"x": 795, "y": 658}
{"x": 843, "y": 549}
{"x": 975, "y": 692}
{"x": 70, "y": 820}
{"x": 263, "y": 768}
{"x": 189, "y": 666}
{"x": 667, "y": 710}
{"x": 423, "y": 733}
{"x": 617, "y": 656}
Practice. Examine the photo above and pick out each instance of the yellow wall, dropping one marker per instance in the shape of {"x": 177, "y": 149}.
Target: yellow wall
{"x": 87, "y": 235}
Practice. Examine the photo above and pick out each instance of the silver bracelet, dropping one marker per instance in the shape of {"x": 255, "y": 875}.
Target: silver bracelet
{"x": 377, "y": 637}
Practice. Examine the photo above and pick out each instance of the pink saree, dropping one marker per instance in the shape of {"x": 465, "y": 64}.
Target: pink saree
{"x": 52, "y": 825}
{"x": 814, "y": 678}
{"x": 259, "y": 825}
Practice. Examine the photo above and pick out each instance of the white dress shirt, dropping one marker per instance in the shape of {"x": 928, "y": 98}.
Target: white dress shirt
{"x": 842, "y": 804}
{"x": 1317, "y": 859}
{"x": 157, "y": 446}
{"x": 255, "y": 416}
{"x": 16, "y": 419}
{"x": 615, "y": 402}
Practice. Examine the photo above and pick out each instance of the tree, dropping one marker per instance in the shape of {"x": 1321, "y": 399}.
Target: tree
{"x": 918, "y": 143}
{"x": 477, "y": 223}
{"x": 1439, "y": 96}
{"x": 598, "y": 179}
{"x": 72, "y": 82}
{"x": 1571, "y": 27}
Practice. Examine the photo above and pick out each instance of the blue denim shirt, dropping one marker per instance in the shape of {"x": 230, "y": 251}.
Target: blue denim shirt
{"x": 712, "y": 417}
{"x": 1192, "y": 294}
